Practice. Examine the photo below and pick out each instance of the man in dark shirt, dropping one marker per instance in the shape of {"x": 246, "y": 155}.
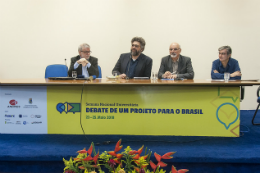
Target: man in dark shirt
{"x": 135, "y": 63}
{"x": 225, "y": 64}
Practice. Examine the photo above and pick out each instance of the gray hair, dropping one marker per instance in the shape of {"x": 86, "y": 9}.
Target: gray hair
{"x": 82, "y": 46}
{"x": 140, "y": 40}
{"x": 228, "y": 48}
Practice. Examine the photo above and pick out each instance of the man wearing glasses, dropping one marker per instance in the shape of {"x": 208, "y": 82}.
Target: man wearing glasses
{"x": 135, "y": 63}
{"x": 84, "y": 64}
{"x": 175, "y": 66}
{"x": 225, "y": 64}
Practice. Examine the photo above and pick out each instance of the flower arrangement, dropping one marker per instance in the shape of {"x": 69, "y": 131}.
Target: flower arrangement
{"x": 128, "y": 161}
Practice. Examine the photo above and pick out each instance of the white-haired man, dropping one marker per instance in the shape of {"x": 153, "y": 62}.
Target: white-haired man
{"x": 84, "y": 64}
{"x": 175, "y": 65}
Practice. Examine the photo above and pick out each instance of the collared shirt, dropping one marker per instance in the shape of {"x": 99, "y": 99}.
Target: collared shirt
{"x": 131, "y": 66}
{"x": 84, "y": 69}
{"x": 175, "y": 66}
{"x": 231, "y": 67}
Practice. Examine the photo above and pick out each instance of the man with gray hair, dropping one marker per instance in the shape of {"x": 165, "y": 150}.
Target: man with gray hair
{"x": 84, "y": 64}
{"x": 176, "y": 66}
{"x": 225, "y": 64}
{"x": 135, "y": 63}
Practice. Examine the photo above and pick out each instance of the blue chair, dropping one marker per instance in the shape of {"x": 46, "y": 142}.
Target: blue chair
{"x": 56, "y": 70}
{"x": 258, "y": 100}
{"x": 100, "y": 74}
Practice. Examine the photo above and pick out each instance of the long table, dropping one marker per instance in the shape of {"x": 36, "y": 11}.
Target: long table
{"x": 121, "y": 107}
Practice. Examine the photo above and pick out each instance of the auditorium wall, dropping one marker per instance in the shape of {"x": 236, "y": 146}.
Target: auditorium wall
{"x": 36, "y": 33}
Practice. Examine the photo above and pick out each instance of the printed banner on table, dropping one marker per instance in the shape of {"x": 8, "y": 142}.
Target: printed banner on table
{"x": 23, "y": 109}
{"x": 144, "y": 110}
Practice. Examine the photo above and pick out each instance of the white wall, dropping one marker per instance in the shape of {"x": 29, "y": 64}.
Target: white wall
{"x": 36, "y": 33}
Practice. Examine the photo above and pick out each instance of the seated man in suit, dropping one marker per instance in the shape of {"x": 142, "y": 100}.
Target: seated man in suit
{"x": 84, "y": 64}
{"x": 175, "y": 65}
{"x": 135, "y": 63}
{"x": 225, "y": 64}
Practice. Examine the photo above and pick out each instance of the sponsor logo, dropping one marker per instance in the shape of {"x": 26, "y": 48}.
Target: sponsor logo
{"x": 68, "y": 107}
{"x": 36, "y": 116}
{"x": 7, "y": 122}
{"x": 36, "y": 122}
{"x": 24, "y": 123}
{"x": 9, "y": 116}
{"x": 13, "y": 102}
{"x": 18, "y": 122}
{"x": 22, "y": 116}
{"x": 30, "y": 106}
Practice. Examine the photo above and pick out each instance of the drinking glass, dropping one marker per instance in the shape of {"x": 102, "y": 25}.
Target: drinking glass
{"x": 155, "y": 76}
{"x": 74, "y": 74}
{"x": 115, "y": 74}
{"x": 226, "y": 76}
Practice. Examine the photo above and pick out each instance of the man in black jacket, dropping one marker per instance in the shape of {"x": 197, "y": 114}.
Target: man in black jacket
{"x": 175, "y": 65}
{"x": 135, "y": 63}
{"x": 84, "y": 64}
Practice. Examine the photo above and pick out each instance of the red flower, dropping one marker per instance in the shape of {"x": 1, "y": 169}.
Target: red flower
{"x": 118, "y": 147}
{"x": 132, "y": 152}
{"x": 95, "y": 158}
{"x": 138, "y": 152}
{"x": 174, "y": 170}
{"x": 81, "y": 167}
{"x": 77, "y": 159}
{"x": 82, "y": 151}
{"x": 88, "y": 158}
{"x": 90, "y": 149}
{"x": 168, "y": 155}
{"x": 153, "y": 166}
{"x": 161, "y": 164}
{"x": 158, "y": 157}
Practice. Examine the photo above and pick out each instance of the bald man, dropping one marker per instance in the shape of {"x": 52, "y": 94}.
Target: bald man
{"x": 175, "y": 66}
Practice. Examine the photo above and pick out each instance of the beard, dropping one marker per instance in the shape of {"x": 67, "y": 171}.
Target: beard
{"x": 134, "y": 52}
{"x": 174, "y": 55}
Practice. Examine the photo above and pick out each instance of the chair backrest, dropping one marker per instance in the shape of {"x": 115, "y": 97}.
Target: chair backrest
{"x": 56, "y": 70}
{"x": 100, "y": 73}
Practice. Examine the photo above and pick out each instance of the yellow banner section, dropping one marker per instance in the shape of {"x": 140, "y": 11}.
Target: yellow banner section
{"x": 144, "y": 110}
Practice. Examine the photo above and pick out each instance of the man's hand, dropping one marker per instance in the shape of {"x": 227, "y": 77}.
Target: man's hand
{"x": 167, "y": 74}
{"x": 215, "y": 71}
{"x": 173, "y": 76}
{"x": 122, "y": 76}
{"x": 83, "y": 61}
{"x": 236, "y": 73}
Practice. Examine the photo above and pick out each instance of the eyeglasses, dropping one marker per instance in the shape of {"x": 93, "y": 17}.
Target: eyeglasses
{"x": 222, "y": 53}
{"x": 86, "y": 52}
{"x": 175, "y": 49}
{"x": 135, "y": 45}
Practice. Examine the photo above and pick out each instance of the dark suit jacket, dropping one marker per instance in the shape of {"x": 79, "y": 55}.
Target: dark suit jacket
{"x": 92, "y": 70}
{"x": 185, "y": 69}
{"x": 143, "y": 68}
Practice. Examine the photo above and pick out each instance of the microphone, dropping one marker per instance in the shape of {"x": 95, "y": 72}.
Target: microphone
{"x": 65, "y": 62}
